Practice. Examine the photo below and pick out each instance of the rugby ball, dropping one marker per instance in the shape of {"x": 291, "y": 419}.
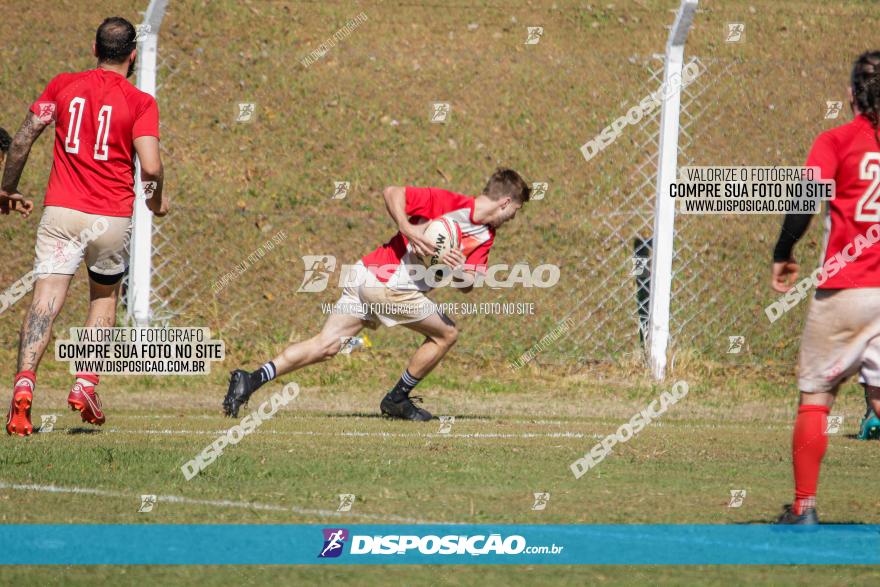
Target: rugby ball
{"x": 444, "y": 234}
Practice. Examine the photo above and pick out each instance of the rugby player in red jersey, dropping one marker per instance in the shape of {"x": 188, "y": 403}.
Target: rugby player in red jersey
{"x": 380, "y": 289}
{"x": 842, "y": 332}
{"x": 101, "y": 122}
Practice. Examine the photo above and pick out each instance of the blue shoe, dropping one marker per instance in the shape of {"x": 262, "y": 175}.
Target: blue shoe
{"x": 870, "y": 427}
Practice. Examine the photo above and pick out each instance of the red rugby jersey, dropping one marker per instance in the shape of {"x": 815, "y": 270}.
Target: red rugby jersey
{"x": 429, "y": 204}
{"x": 850, "y": 155}
{"x": 98, "y": 114}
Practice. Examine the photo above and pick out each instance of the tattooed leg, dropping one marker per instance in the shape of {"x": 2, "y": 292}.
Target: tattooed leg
{"x": 36, "y": 331}
{"x": 102, "y": 304}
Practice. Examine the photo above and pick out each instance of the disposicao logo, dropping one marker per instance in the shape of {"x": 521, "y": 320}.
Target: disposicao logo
{"x": 334, "y": 540}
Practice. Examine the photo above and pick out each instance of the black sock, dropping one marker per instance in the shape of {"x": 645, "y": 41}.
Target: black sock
{"x": 404, "y": 386}
{"x": 264, "y": 374}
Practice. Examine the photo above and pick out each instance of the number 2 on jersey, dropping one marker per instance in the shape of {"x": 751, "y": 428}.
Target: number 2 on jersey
{"x": 71, "y": 145}
{"x": 868, "y": 208}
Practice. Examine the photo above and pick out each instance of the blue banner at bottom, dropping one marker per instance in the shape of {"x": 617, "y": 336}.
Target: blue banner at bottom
{"x": 196, "y": 544}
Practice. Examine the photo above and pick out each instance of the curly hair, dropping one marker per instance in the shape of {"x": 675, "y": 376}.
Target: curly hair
{"x": 865, "y": 81}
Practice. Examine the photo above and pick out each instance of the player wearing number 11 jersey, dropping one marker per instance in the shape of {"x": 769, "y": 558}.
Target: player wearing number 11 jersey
{"x": 101, "y": 122}
{"x": 842, "y": 332}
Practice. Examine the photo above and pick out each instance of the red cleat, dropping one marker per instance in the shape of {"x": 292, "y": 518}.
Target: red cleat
{"x": 19, "y": 419}
{"x": 83, "y": 399}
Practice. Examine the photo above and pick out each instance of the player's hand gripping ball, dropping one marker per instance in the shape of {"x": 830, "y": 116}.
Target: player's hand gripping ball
{"x": 445, "y": 235}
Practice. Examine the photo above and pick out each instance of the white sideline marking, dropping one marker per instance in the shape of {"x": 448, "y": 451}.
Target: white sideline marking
{"x": 211, "y": 502}
{"x": 513, "y": 419}
{"x": 477, "y": 435}
{"x": 305, "y": 416}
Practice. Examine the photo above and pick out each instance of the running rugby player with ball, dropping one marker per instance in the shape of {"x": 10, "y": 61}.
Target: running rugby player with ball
{"x": 382, "y": 290}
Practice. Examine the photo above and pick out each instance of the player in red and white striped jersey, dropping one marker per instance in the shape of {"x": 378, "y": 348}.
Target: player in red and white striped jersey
{"x": 382, "y": 291}
{"x": 427, "y": 204}
{"x": 101, "y": 122}
{"x": 842, "y": 333}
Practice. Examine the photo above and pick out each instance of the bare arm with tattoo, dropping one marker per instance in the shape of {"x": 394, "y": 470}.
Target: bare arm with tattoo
{"x": 16, "y": 159}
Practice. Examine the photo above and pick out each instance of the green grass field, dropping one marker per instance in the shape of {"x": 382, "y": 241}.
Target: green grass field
{"x": 503, "y": 447}
{"x": 361, "y": 114}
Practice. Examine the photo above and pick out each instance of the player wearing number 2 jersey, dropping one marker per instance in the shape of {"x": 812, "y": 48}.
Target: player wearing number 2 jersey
{"x": 842, "y": 333}
{"x": 101, "y": 122}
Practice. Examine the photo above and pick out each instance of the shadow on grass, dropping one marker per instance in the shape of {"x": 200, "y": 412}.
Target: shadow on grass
{"x": 376, "y": 415}
{"x": 856, "y": 437}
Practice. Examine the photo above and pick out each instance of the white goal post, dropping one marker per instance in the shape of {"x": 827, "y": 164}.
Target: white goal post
{"x": 664, "y": 209}
{"x": 140, "y": 268}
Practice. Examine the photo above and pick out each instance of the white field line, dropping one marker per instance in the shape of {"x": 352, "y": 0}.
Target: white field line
{"x": 326, "y": 415}
{"x": 476, "y": 435}
{"x": 667, "y": 424}
{"x": 303, "y": 417}
{"x": 208, "y": 502}
{"x": 721, "y": 426}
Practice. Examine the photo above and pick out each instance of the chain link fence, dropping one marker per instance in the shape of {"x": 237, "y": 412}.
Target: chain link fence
{"x": 601, "y": 239}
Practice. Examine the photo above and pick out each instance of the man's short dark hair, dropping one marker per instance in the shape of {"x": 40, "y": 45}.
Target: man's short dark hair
{"x": 507, "y": 182}
{"x": 5, "y": 140}
{"x": 115, "y": 40}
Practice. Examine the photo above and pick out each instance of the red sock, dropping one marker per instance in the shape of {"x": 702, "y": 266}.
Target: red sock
{"x": 30, "y": 376}
{"x": 808, "y": 445}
